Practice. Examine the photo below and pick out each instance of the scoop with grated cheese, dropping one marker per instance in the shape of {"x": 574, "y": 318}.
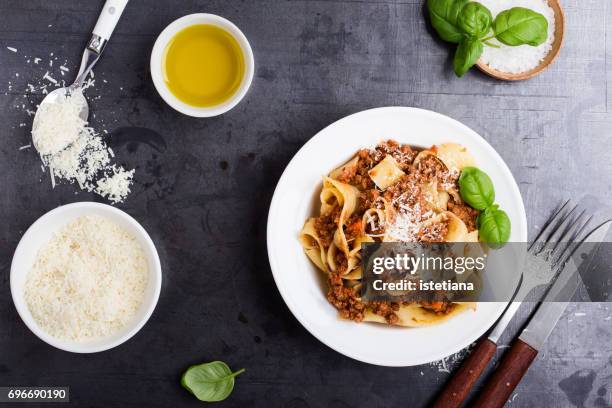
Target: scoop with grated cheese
{"x": 88, "y": 281}
{"x": 57, "y": 124}
{"x": 75, "y": 152}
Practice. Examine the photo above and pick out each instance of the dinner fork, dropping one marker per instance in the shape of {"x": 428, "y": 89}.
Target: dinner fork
{"x": 545, "y": 258}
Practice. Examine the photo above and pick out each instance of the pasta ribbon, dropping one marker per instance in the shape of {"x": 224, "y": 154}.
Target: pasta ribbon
{"x": 386, "y": 173}
{"x": 309, "y": 238}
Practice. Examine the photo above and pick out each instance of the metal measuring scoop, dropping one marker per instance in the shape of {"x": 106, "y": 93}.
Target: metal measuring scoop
{"x": 111, "y": 12}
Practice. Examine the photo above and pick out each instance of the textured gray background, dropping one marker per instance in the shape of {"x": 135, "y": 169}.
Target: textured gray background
{"x": 203, "y": 190}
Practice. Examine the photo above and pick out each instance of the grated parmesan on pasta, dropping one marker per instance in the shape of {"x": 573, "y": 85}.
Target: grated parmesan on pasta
{"x": 88, "y": 281}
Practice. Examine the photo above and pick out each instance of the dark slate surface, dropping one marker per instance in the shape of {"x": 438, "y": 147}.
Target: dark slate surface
{"x": 203, "y": 189}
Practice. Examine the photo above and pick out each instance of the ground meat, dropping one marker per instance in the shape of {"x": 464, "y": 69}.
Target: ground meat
{"x": 358, "y": 175}
{"x": 341, "y": 262}
{"x": 386, "y": 310}
{"x": 405, "y": 191}
{"x": 344, "y": 299}
{"x": 467, "y": 214}
{"x": 326, "y": 225}
{"x": 348, "y": 174}
{"x": 440, "y": 308}
{"x": 368, "y": 199}
{"x": 430, "y": 168}
{"x": 433, "y": 233}
{"x": 403, "y": 154}
{"x": 353, "y": 227}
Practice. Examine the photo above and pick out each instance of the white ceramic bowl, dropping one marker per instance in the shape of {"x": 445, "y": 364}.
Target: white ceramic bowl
{"x": 296, "y": 198}
{"x": 157, "y": 61}
{"x": 41, "y": 232}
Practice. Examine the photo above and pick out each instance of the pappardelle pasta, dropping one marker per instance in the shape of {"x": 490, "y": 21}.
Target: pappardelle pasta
{"x": 392, "y": 193}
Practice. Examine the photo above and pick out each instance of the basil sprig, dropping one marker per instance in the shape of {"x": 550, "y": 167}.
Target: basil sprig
{"x": 210, "y": 382}
{"x": 476, "y": 189}
{"x": 471, "y": 25}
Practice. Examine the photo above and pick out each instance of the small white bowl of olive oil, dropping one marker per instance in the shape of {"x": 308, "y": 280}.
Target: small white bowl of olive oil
{"x": 202, "y": 65}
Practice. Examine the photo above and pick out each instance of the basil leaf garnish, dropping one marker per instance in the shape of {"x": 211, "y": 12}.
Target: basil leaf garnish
{"x": 494, "y": 227}
{"x": 210, "y": 382}
{"x": 476, "y": 188}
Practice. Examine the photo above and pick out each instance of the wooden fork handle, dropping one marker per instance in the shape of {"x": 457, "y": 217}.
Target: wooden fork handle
{"x": 462, "y": 381}
{"x": 506, "y": 377}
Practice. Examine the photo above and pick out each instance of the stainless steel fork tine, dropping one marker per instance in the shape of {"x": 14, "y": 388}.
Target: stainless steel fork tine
{"x": 564, "y": 222}
{"x": 568, "y": 231}
{"x": 572, "y": 245}
{"x": 561, "y": 242}
{"x": 550, "y": 224}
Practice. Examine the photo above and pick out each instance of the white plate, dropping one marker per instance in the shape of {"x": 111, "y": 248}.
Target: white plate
{"x": 42, "y": 231}
{"x": 303, "y": 287}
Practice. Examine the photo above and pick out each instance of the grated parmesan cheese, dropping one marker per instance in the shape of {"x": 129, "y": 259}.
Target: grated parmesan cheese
{"x": 117, "y": 186}
{"x": 75, "y": 152}
{"x": 58, "y": 124}
{"x": 88, "y": 281}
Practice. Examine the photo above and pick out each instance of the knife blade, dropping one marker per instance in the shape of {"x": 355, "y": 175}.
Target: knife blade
{"x": 556, "y": 300}
{"x": 517, "y": 360}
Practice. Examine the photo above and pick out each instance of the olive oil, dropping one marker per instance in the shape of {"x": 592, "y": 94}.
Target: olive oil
{"x": 203, "y": 65}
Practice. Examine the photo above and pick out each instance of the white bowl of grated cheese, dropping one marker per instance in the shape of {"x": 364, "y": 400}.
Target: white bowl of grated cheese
{"x": 85, "y": 277}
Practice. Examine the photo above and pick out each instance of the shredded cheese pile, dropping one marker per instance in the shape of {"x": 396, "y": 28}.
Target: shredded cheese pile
{"x": 88, "y": 281}
{"x": 49, "y": 136}
{"x": 75, "y": 152}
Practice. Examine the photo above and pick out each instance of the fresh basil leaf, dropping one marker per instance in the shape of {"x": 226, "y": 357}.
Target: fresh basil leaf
{"x": 476, "y": 188}
{"x": 443, "y": 15}
{"x": 475, "y": 20}
{"x": 210, "y": 382}
{"x": 519, "y": 25}
{"x": 494, "y": 227}
{"x": 468, "y": 52}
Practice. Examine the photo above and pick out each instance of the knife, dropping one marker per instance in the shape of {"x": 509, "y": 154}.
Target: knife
{"x": 517, "y": 360}
{"x": 463, "y": 380}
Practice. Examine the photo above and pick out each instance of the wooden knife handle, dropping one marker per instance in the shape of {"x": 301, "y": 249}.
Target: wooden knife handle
{"x": 506, "y": 377}
{"x": 462, "y": 381}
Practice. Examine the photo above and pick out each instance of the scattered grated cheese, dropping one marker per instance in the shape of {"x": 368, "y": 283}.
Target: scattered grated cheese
{"x": 407, "y": 223}
{"x": 88, "y": 281}
{"x": 117, "y": 186}
{"x": 75, "y": 152}
{"x": 50, "y": 78}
